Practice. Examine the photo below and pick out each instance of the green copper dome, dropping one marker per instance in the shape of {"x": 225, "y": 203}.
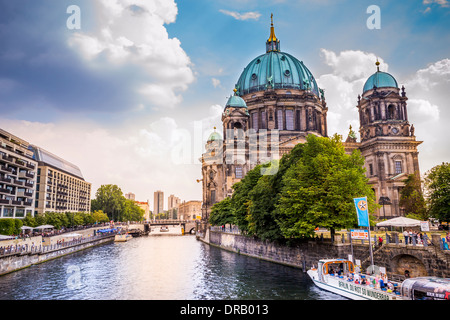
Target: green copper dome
{"x": 236, "y": 102}
{"x": 278, "y": 70}
{"x": 380, "y": 80}
{"x": 214, "y": 136}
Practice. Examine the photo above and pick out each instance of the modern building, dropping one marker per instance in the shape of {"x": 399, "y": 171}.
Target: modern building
{"x": 158, "y": 202}
{"x": 18, "y": 171}
{"x": 191, "y": 210}
{"x": 173, "y": 204}
{"x": 277, "y": 103}
{"x": 60, "y": 185}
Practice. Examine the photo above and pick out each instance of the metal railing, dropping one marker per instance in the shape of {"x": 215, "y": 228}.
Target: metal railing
{"x": 23, "y": 249}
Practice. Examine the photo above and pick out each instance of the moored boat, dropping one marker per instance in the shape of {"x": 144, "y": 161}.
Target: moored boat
{"x": 339, "y": 276}
{"x": 122, "y": 237}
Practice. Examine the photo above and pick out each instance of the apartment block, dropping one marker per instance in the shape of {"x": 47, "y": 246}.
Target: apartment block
{"x": 17, "y": 177}
{"x": 60, "y": 185}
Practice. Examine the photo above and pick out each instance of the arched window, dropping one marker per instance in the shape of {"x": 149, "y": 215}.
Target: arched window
{"x": 391, "y": 112}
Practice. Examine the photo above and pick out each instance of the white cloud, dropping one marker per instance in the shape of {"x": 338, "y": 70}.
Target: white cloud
{"x": 131, "y": 34}
{"x": 423, "y": 110}
{"x": 215, "y": 82}
{"x": 251, "y": 15}
{"x": 442, "y": 3}
{"x": 353, "y": 64}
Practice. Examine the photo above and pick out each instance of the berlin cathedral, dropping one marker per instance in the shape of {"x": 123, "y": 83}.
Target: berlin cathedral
{"x": 277, "y": 99}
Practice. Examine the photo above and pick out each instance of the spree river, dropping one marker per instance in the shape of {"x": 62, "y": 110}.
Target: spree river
{"x": 159, "y": 268}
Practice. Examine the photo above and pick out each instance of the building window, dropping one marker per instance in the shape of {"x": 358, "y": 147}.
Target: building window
{"x": 213, "y": 196}
{"x": 255, "y": 121}
{"x": 371, "y": 169}
{"x": 398, "y": 167}
{"x": 263, "y": 120}
{"x": 280, "y": 119}
{"x": 238, "y": 173}
{"x": 289, "y": 120}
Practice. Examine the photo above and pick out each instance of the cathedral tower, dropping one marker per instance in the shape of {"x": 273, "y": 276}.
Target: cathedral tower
{"x": 388, "y": 143}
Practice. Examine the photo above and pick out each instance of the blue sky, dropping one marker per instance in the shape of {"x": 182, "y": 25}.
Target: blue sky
{"x": 140, "y": 78}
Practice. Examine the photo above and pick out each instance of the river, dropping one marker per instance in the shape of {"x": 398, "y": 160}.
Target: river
{"x": 159, "y": 268}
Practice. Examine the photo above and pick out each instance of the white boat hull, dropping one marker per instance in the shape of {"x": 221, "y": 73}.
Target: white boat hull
{"x": 122, "y": 237}
{"x": 349, "y": 289}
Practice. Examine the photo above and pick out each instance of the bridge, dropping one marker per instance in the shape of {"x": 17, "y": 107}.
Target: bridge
{"x": 189, "y": 226}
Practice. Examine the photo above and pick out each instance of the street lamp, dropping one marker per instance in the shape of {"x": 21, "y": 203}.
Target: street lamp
{"x": 383, "y": 201}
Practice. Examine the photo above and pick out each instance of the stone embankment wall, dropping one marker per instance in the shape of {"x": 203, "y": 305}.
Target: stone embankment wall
{"x": 15, "y": 262}
{"x": 301, "y": 255}
{"x": 419, "y": 261}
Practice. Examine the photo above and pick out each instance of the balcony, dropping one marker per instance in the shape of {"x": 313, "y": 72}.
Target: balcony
{"x": 16, "y": 202}
{"x": 27, "y": 203}
{"x": 30, "y": 166}
{"x": 5, "y": 201}
{"x": 26, "y": 175}
{"x": 29, "y": 185}
{"x": 18, "y": 182}
{"x": 25, "y": 194}
{"x": 5, "y": 169}
{"x": 4, "y": 179}
{"x": 7, "y": 158}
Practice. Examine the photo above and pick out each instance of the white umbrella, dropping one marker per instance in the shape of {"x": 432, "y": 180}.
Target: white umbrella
{"x": 45, "y": 226}
{"x": 399, "y": 222}
{"x": 26, "y": 228}
{"x": 70, "y": 235}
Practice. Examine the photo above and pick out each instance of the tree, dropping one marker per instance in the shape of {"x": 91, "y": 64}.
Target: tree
{"x": 319, "y": 188}
{"x": 99, "y": 216}
{"x": 411, "y": 197}
{"x": 437, "y": 183}
{"x": 109, "y": 198}
{"x": 221, "y": 213}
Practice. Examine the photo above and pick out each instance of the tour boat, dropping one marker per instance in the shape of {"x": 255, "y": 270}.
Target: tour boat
{"x": 122, "y": 237}
{"x": 337, "y": 276}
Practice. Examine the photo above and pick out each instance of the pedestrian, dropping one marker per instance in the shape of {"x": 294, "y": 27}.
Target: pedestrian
{"x": 380, "y": 241}
{"x": 406, "y": 235}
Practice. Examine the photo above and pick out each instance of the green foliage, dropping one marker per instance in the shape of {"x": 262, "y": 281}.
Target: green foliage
{"x": 221, "y": 213}
{"x": 437, "y": 182}
{"x": 110, "y": 199}
{"x": 411, "y": 198}
{"x": 314, "y": 186}
{"x": 7, "y": 226}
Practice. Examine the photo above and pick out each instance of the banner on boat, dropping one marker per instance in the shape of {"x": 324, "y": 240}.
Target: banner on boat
{"x": 359, "y": 234}
{"x": 362, "y": 211}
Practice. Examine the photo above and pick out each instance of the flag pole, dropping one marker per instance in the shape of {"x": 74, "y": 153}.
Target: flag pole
{"x": 371, "y": 251}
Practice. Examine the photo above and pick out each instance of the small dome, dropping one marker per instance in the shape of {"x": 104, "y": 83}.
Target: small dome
{"x": 380, "y": 80}
{"x": 214, "y": 137}
{"x": 236, "y": 102}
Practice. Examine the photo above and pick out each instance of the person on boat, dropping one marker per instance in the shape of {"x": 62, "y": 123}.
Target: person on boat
{"x": 390, "y": 287}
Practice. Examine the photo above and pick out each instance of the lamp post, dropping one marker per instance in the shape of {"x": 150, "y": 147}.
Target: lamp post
{"x": 383, "y": 201}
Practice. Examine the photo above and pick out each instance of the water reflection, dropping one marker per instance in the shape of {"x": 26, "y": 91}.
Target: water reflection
{"x": 159, "y": 268}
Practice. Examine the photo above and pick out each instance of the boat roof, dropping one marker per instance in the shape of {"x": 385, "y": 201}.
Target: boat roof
{"x": 333, "y": 260}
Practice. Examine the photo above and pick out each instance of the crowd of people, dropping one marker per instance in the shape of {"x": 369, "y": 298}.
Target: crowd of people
{"x": 379, "y": 281}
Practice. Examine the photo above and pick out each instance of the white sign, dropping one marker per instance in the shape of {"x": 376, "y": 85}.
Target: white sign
{"x": 360, "y": 234}
{"x": 424, "y": 226}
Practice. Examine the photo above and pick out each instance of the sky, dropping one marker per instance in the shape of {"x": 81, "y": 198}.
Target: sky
{"x": 129, "y": 90}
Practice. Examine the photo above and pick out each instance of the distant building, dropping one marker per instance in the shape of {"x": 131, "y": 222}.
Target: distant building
{"x": 17, "y": 177}
{"x": 173, "y": 204}
{"x": 146, "y": 207}
{"x": 130, "y": 196}
{"x": 191, "y": 210}
{"x": 60, "y": 185}
{"x": 158, "y": 202}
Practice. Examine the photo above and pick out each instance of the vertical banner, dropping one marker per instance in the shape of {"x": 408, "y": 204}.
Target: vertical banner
{"x": 362, "y": 211}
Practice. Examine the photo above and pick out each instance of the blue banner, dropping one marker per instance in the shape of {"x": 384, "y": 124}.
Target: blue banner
{"x": 362, "y": 211}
